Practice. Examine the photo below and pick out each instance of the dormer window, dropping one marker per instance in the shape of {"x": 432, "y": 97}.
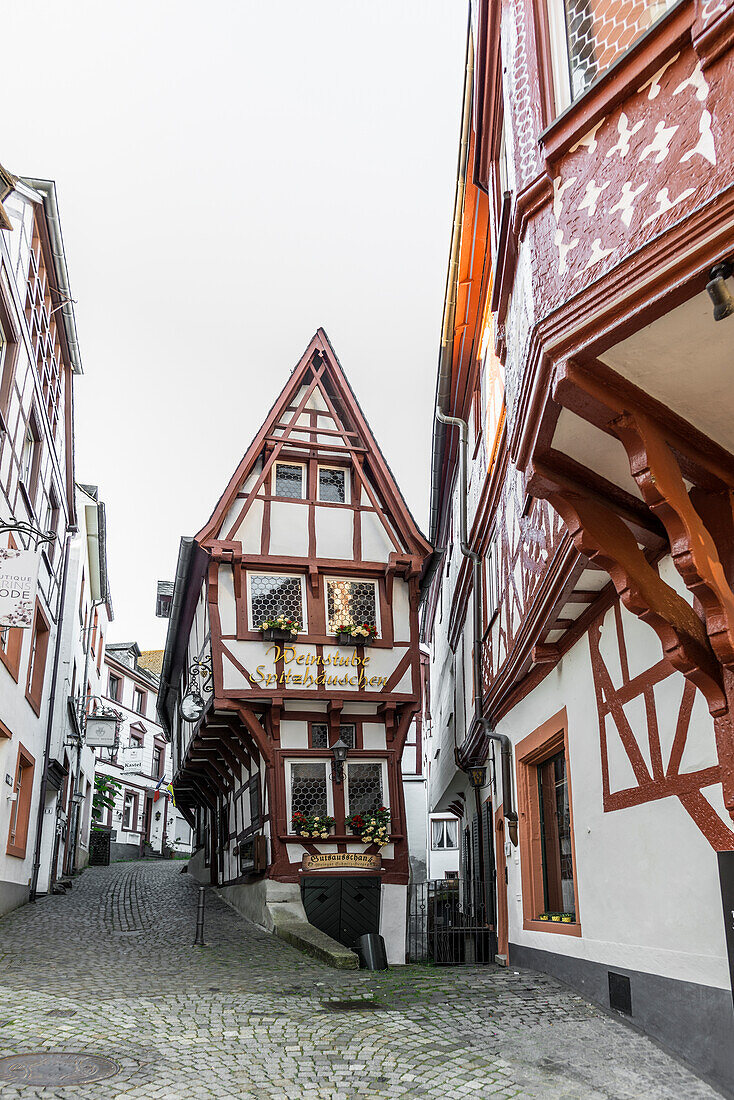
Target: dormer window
{"x": 289, "y": 480}
{"x": 332, "y": 485}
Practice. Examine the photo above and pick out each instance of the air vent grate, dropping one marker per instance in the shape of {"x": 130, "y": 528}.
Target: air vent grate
{"x": 620, "y": 994}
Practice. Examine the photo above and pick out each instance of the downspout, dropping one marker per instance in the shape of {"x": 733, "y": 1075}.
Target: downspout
{"x": 476, "y": 560}
{"x": 70, "y": 532}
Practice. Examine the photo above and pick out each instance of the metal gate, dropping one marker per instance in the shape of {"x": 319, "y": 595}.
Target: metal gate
{"x": 343, "y": 907}
{"x": 451, "y": 922}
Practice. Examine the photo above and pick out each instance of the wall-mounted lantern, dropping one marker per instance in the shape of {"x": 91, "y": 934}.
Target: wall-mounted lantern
{"x": 192, "y": 705}
{"x": 339, "y": 751}
{"x": 719, "y": 292}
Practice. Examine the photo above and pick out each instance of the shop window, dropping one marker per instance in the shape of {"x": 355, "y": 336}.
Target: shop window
{"x": 308, "y": 788}
{"x": 548, "y": 862}
{"x": 320, "y": 738}
{"x": 289, "y": 480}
{"x": 20, "y": 808}
{"x": 364, "y": 789}
{"x": 332, "y": 485}
{"x": 445, "y": 834}
{"x": 37, "y": 660}
{"x": 350, "y": 602}
{"x": 273, "y": 594}
{"x": 129, "y": 812}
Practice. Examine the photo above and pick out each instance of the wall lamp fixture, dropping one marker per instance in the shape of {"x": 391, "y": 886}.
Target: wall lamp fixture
{"x": 339, "y": 750}
{"x": 719, "y": 292}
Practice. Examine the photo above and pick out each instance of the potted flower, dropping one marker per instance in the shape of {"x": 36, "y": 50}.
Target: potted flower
{"x": 316, "y": 826}
{"x": 350, "y": 633}
{"x": 282, "y": 629}
{"x": 373, "y": 827}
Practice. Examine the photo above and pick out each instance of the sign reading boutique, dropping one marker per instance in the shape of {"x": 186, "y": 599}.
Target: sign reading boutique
{"x": 18, "y": 581}
{"x": 312, "y": 670}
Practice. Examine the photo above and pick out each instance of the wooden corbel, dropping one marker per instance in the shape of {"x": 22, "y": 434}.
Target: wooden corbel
{"x": 313, "y": 576}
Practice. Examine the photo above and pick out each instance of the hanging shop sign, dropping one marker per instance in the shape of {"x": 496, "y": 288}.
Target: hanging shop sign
{"x": 326, "y": 861}
{"x": 18, "y": 580}
{"x": 131, "y": 760}
{"x": 101, "y": 733}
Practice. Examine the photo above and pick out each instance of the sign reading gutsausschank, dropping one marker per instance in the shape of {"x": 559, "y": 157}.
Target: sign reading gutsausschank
{"x": 18, "y": 580}
{"x": 324, "y": 861}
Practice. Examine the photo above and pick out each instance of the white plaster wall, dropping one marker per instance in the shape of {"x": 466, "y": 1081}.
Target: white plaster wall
{"x": 250, "y": 529}
{"x": 288, "y": 530}
{"x": 373, "y": 735}
{"x": 400, "y": 611}
{"x": 334, "y": 532}
{"x": 376, "y": 546}
{"x": 226, "y": 600}
{"x": 293, "y": 735}
{"x": 415, "y": 794}
{"x": 393, "y": 922}
{"x": 648, "y": 886}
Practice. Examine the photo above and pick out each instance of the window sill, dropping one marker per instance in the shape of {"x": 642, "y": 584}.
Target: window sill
{"x": 15, "y": 851}
{"x": 35, "y": 704}
{"x": 551, "y": 926}
{"x": 13, "y": 667}
{"x": 294, "y": 838}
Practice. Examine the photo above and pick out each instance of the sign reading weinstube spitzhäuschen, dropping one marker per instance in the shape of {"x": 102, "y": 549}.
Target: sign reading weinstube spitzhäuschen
{"x": 18, "y": 579}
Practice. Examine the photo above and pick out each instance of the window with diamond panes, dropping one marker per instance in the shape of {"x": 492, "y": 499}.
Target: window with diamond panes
{"x": 350, "y": 602}
{"x": 320, "y": 735}
{"x": 288, "y": 481}
{"x": 271, "y": 596}
{"x": 332, "y": 485}
{"x": 308, "y": 788}
{"x": 598, "y": 31}
{"x": 364, "y": 786}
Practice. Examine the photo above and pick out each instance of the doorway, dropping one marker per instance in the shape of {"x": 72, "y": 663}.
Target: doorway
{"x": 345, "y": 908}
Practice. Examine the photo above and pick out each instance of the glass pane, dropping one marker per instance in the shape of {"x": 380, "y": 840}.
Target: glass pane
{"x": 365, "y": 787}
{"x": 331, "y": 485}
{"x": 555, "y": 814}
{"x": 350, "y": 602}
{"x": 272, "y": 596}
{"x": 308, "y": 788}
{"x": 320, "y": 735}
{"x": 437, "y": 834}
{"x": 288, "y": 481}
{"x": 452, "y": 834}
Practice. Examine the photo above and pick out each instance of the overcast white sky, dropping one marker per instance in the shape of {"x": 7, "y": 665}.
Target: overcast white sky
{"x": 230, "y": 177}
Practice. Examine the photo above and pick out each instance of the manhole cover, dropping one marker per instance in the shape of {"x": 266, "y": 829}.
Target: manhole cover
{"x": 61, "y": 1012}
{"x": 359, "y": 1005}
{"x": 56, "y": 1069}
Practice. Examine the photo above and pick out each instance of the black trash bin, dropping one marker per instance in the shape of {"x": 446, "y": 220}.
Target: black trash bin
{"x": 371, "y": 952}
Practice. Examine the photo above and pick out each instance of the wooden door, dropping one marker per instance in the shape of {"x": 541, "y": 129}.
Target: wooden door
{"x": 345, "y": 908}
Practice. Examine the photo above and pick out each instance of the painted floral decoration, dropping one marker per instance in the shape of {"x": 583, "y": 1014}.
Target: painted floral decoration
{"x": 316, "y": 826}
{"x": 292, "y": 626}
{"x": 373, "y": 827}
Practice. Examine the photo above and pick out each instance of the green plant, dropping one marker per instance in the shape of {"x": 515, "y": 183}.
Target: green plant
{"x": 106, "y": 790}
{"x": 373, "y": 827}
{"x": 314, "y": 825}
{"x": 291, "y": 626}
{"x": 357, "y": 631}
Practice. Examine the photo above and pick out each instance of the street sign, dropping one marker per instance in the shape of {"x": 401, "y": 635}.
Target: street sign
{"x": 101, "y": 732}
{"x": 18, "y": 580}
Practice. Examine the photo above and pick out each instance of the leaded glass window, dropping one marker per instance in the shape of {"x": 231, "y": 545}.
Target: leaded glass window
{"x": 308, "y": 788}
{"x": 272, "y": 595}
{"x": 332, "y": 485}
{"x": 320, "y": 735}
{"x": 364, "y": 787}
{"x": 350, "y": 602}
{"x": 289, "y": 480}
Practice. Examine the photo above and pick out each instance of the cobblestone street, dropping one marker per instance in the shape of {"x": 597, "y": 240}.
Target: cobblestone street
{"x": 110, "y": 970}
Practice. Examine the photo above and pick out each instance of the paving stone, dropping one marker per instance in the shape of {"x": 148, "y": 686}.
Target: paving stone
{"x": 110, "y": 969}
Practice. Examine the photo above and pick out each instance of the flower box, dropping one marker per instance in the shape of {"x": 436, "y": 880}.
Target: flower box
{"x": 312, "y": 826}
{"x": 344, "y": 638}
{"x": 274, "y": 635}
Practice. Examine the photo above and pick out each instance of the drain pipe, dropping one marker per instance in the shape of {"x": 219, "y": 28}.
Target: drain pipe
{"x": 476, "y": 560}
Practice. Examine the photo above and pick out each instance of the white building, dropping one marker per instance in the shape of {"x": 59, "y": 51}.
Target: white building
{"x": 144, "y": 820}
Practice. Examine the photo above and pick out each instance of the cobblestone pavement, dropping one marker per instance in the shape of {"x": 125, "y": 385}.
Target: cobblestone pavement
{"x": 110, "y": 969}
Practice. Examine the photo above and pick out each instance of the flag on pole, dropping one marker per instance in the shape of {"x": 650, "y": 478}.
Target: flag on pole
{"x": 169, "y": 788}
{"x": 157, "y": 793}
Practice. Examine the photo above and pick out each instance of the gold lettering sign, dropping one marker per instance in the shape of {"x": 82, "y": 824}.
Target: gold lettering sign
{"x": 323, "y": 862}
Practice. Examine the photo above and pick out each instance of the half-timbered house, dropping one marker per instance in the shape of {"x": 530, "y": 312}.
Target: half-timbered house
{"x": 291, "y": 676}
{"x": 586, "y": 351}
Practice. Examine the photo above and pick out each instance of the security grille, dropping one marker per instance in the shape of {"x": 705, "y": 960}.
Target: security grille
{"x": 364, "y": 784}
{"x": 331, "y": 485}
{"x": 308, "y": 788}
{"x": 598, "y": 31}
{"x": 271, "y": 596}
{"x": 350, "y": 601}
{"x": 320, "y": 735}
{"x": 288, "y": 481}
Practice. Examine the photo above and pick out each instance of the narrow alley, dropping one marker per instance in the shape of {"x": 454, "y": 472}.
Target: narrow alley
{"x": 109, "y": 970}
